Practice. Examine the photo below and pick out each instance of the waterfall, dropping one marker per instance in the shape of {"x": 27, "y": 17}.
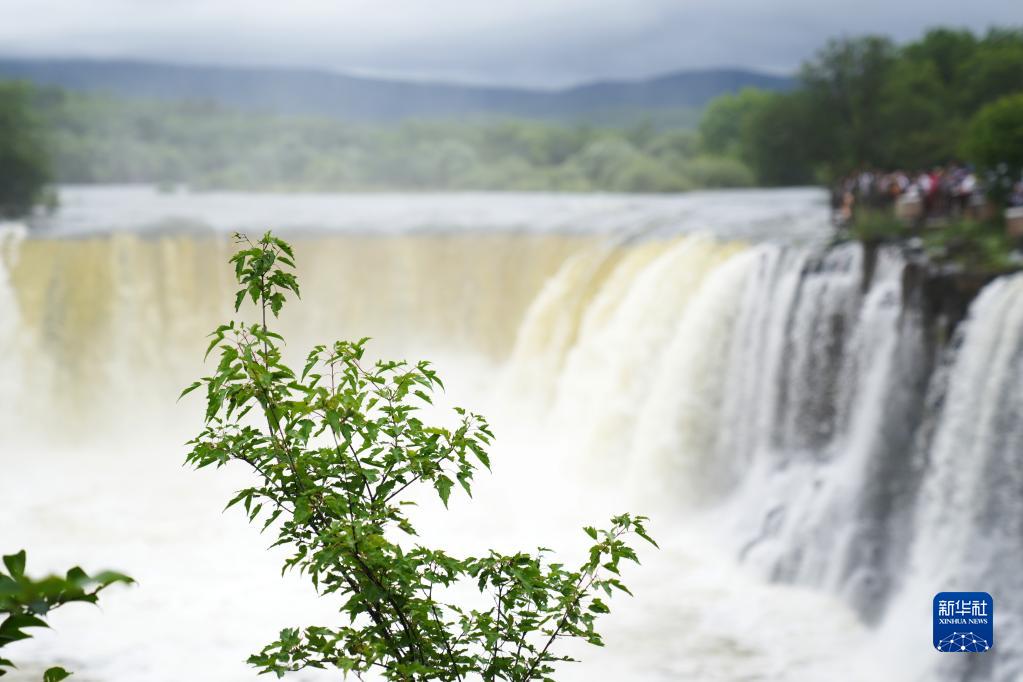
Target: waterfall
{"x": 972, "y": 497}
{"x": 793, "y": 394}
{"x": 970, "y": 518}
{"x": 795, "y": 400}
{"x": 679, "y": 420}
{"x": 120, "y": 319}
{"x": 12, "y": 374}
{"x": 627, "y": 329}
{"x": 777, "y": 379}
{"x": 752, "y": 377}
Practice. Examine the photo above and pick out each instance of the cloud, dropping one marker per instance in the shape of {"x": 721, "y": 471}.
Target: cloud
{"x": 534, "y": 42}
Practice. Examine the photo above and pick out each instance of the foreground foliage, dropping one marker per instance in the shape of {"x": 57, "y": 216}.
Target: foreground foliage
{"x": 26, "y": 601}
{"x": 339, "y": 454}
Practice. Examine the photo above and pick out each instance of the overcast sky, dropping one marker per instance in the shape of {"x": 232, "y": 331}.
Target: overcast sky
{"x": 512, "y": 42}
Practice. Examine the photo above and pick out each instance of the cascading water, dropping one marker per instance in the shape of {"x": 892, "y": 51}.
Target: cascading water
{"x": 629, "y": 328}
{"x": 680, "y": 414}
{"x": 821, "y": 473}
{"x": 11, "y": 372}
{"x": 792, "y": 404}
{"x": 969, "y": 522}
{"x": 784, "y": 408}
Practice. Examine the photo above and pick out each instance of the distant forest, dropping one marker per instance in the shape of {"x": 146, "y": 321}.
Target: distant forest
{"x": 862, "y": 102}
{"x": 94, "y": 139}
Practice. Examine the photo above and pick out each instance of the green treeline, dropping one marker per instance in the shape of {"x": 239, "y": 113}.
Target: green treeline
{"x": 867, "y": 103}
{"x": 96, "y": 139}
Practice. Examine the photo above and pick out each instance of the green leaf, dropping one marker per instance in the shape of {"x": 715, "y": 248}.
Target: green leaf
{"x": 194, "y": 385}
{"x": 107, "y": 578}
{"x": 55, "y": 674}
{"x": 11, "y": 628}
{"x": 641, "y": 533}
{"x": 15, "y": 564}
{"x": 443, "y": 485}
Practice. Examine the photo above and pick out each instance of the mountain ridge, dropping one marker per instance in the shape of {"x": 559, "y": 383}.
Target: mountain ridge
{"x": 289, "y": 90}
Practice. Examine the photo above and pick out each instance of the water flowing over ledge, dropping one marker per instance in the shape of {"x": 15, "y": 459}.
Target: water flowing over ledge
{"x": 804, "y": 401}
{"x": 799, "y": 402}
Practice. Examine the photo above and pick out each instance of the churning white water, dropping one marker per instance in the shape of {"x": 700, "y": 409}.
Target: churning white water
{"x": 817, "y": 463}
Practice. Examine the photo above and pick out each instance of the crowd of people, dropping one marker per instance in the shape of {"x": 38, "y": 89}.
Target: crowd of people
{"x": 945, "y": 191}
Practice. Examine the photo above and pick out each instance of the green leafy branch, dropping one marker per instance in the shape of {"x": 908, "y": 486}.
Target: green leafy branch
{"x": 338, "y": 451}
{"x": 27, "y": 601}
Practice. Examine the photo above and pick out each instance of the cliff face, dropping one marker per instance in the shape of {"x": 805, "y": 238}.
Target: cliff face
{"x": 940, "y": 292}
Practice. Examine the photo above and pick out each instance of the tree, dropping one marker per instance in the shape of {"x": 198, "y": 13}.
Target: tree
{"x": 24, "y": 164}
{"x": 995, "y": 142}
{"x": 777, "y": 141}
{"x": 338, "y": 452}
{"x": 725, "y": 117}
{"x": 947, "y": 51}
{"x": 845, "y": 86}
{"x": 994, "y": 70}
{"x": 26, "y": 601}
{"x": 917, "y": 129}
